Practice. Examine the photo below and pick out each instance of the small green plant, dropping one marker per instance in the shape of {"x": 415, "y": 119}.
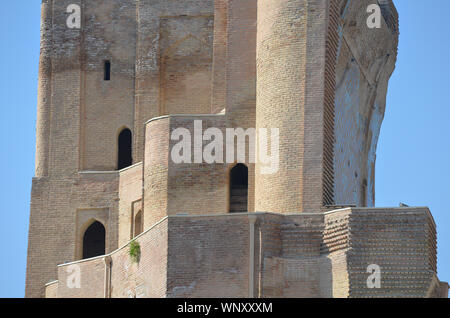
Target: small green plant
{"x": 135, "y": 251}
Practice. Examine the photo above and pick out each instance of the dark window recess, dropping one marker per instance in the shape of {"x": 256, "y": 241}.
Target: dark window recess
{"x": 364, "y": 193}
{"x": 125, "y": 151}
{"x": 138, "y": 224}
{"x": 94, "y": 240}
{"x": 239, "y": 188}
{"x": 107, "y": 71}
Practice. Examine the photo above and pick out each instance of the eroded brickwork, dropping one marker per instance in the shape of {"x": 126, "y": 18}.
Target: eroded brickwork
{"x": 310, "y": 68}
{"x": 365, "y": 61}
{"x": 303, "y": 255}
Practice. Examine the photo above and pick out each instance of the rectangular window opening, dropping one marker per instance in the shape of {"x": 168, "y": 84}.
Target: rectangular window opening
{"x": 107, "y": 76}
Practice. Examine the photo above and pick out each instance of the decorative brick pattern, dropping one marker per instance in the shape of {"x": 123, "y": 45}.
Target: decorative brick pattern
{"x": 304, "y": 255}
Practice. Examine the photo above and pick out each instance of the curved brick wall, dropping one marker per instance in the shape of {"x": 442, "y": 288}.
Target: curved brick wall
{"x": 281, "y": 82}
{"x": 156, "y": 169}
{"x": 291, "y": 93}
{"x": 182, "y": 188}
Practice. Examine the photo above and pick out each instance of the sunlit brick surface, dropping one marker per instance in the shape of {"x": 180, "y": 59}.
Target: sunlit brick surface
{"x": 310, "y": 68}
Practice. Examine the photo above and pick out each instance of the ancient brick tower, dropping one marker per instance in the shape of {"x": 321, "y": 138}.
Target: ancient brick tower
{"x": 112, "y": 92}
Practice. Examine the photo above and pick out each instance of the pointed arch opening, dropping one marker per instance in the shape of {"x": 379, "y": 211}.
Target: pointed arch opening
{"x": 94, "y": 240}
{"x": 124, "y": 157}
{"x": 239, "y": 188}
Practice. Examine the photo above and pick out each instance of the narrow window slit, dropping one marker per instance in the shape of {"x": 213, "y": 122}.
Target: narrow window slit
{"x": 107, "y": 76}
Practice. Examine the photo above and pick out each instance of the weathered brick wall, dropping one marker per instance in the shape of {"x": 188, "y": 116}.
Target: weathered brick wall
{"x": 148, "y": 278}
{"x": 186, "y": 253}
{"x": 334, "y": 275}
{"x": 51, "y": 290}
{"x": 359, "y": 62}
{"x": 179, "y": 36}
{"x": 295, "y": 269}
{"x": 64, "y": 104}
{"x": 334, "y": 254}
{"x": 68, "y": 69}
{"x": 92, "y": 279}
{"x": 186, "y": 48}
{"x": 125, "y": 278}
{"x": 331, "y": 52}
{"x": 241, "y": 75}
{"x": 197, "y": 188}
{"x": 106, "y": 107}
{"x": 302, "y": 255}
{"x": 241, "y": 63}
{"x": 402, "y": 242}
{"x": 219, "y": 80}
{"x": 306, "y": 67}
{"x": 44, "y": 91}
{"x": 55, "y": 235}
{"x": 156, "y": 169}
{"x": 366, "y": 59}
{"x": 208, "y": 256}
{"x": 281, "y": 67}
{"x": 313, "y": 121}
{"x": 291, "y": 60}
{"x": 130, "y": 200}
{"x": 270, "y": 241}
{"x": 148, "y": 81}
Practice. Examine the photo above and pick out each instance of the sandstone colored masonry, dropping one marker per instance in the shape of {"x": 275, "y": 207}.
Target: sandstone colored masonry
{"x": 270, "y": 255}
{"x": 114, "y": 90}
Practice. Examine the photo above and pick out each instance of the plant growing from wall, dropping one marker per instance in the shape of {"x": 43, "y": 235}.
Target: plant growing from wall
{"x": 135, "y": 251}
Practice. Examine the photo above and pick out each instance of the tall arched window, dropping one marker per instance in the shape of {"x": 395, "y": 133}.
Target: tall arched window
{"x": 124, "y": 149}
{"x": 138, "y": 224}
{"x": 239, "y": 188}
{"x": 94, "y": 240}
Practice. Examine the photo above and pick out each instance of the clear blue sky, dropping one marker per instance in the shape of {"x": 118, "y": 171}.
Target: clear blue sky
{"x": 413, "y": 152}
